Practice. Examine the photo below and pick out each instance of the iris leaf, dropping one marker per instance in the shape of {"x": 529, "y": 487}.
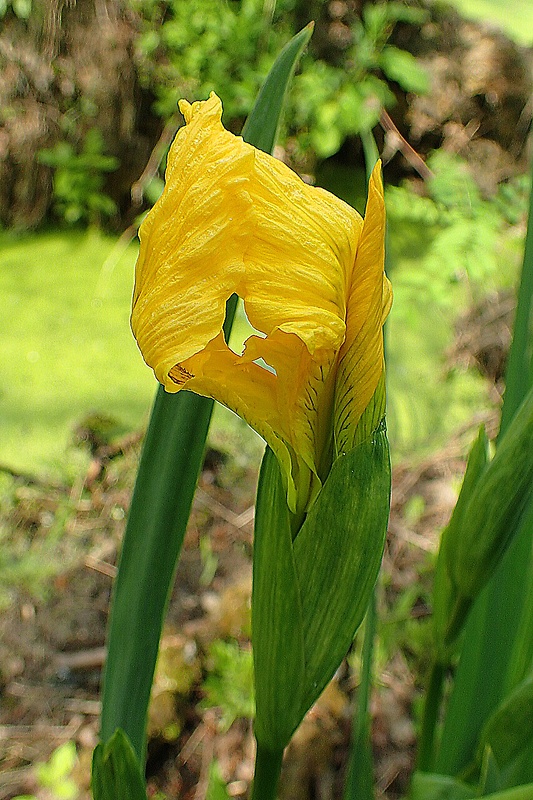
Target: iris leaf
{"x": 509, "y": 731}
{"x": 496, "y": 627}
{"x": 116, "y": 773}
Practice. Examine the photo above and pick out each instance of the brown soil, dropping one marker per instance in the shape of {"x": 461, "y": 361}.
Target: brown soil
{"x": 53, "y": 633}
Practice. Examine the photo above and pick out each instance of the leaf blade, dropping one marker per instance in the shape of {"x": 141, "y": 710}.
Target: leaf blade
{"x": 337, "y": 565}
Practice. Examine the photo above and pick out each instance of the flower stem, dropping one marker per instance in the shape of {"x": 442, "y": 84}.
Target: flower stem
{"x": 426, "y": 751}
{"x": 267, "y": 772}
{"x": 359, "y": 781}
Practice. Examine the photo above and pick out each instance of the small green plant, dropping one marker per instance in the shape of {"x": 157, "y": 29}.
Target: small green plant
{"x": 229, "y": 684}
{"x": 55, "y": 774}
{"x": 79, "y": 179}
{"x": 333, "y": 102}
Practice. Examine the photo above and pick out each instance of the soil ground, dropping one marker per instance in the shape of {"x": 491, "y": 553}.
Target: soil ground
{"x": 52, "y": 633}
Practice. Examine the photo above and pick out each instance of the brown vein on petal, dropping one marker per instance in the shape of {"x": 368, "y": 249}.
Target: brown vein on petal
{"x": 179, "y": 375}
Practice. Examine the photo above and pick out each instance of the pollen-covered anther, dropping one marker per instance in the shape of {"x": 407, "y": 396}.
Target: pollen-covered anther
{"x": 179, "y": 375}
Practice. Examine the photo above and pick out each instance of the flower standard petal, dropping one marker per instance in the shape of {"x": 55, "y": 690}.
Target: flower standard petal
{"x": 235, "y": 220}
{"x": 192, "y": 242}
{"x": 361, "y": 361}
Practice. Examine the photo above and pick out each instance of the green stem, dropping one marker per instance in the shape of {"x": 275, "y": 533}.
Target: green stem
{"x": 367, "y": 655}
{"x": 359, "y": 782}
{"x": 267, "y": 772}
{"x": 431, "y": 712}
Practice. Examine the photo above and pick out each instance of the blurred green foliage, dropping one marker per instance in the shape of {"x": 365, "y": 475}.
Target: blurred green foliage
{"x": 468, "y": 235}
{"x": 229, "y": 683}
{"x": 54, "y": 775}
{"x": 190, "y": 49}
{"x": 79, "y": 179}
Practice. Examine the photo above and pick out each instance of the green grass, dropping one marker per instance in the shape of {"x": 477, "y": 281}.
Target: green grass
{"x": 66, "y": 346}
{"x": 515, "y": 17}
{"x": 67, "y": 350}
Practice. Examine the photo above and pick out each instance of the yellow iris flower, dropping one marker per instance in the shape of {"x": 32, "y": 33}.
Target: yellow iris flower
{"x": 309, "y": 269}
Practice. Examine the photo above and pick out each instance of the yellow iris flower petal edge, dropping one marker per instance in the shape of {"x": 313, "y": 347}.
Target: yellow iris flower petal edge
{"x": 233, "y": 219}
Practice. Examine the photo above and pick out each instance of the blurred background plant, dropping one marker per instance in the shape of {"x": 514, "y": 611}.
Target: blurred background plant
{"x": 54, "y": 775}
{"x": 78, "y": 181}
{"x": 186, "y": 49}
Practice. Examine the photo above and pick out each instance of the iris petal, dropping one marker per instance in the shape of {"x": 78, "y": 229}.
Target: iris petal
{"x": 232, "y": 219}
{"x": 361, "y": 357}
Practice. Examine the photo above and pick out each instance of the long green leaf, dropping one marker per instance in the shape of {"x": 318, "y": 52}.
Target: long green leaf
{"x": 521, "y": 658}
{"x": 517, "y": 793}
{"x": 168, "y": 470}
{"x": 426, "y": 786}
{"x": 429, "y": 786}
{"x": 510, "y": 728}
{"x": 261, "y": 127}
{"x": 166, "y": 480}
{"x": 493, "y": 626}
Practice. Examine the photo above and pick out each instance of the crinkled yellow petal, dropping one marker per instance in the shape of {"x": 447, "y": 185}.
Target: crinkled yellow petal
{"x": 300, "y": 257}
{"x": 361, "y": 362}
{"x": 233, "y": 219}
{"x": 256, "y": 393}
{"x": 192, "y": 242}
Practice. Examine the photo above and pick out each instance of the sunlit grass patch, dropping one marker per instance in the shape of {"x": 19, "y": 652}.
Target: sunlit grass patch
{"x": 514, "y": 18}
{"x": 66, "y": 344}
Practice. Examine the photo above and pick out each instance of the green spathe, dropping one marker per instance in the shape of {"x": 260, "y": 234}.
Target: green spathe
{"x": 116, "y": 774}
{"x": 312, "y": 587}
{"x": 509, "y": 731}
{"x": 492, "y": 502}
